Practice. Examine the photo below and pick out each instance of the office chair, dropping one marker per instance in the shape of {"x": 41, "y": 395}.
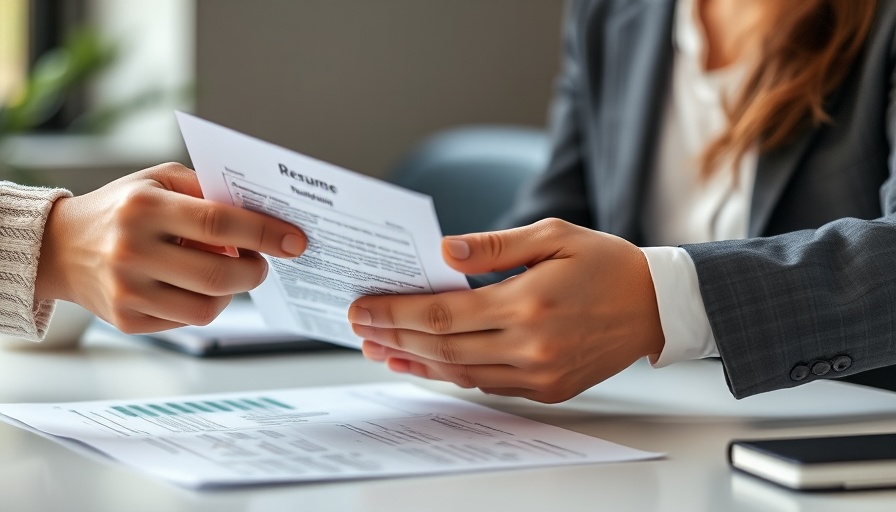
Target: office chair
{"x": 473, "y": 173}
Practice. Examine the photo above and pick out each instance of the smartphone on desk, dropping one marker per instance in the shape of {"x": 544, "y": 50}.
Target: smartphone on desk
{"x": 819, "y": 463}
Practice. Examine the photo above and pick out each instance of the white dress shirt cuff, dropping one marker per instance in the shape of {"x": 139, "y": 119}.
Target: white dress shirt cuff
{"x": 682, "y": 314}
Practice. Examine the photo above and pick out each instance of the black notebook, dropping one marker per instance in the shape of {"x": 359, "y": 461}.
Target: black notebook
{"x": 844, "y": 462}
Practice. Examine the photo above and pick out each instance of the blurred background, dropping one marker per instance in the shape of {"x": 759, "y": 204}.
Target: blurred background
{"x": 87, "y": 87}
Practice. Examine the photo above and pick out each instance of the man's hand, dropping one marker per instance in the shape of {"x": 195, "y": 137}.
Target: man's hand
{"x": 141, "y": 251}
{"x": 583, "y": 311}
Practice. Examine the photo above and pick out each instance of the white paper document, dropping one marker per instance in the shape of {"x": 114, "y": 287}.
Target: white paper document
{"x": 311, "y": 434}
{"x": 365, "y": 236}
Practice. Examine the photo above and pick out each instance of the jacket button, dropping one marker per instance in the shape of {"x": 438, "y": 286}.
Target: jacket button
{"x": 841, "y": 363}
{"x": 821, "y": 367}
{"x": 799, "y": 372}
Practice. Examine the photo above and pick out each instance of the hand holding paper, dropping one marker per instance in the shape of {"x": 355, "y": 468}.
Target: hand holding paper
{"x": 365, "y": 236}
{"x": 112, "y": 251}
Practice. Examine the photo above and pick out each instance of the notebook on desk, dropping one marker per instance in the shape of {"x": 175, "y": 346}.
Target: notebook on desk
{"x": 239, "y": 329}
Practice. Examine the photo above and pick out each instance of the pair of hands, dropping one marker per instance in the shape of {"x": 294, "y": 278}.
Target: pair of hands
{"x": 145, "y": 252}
{"x": 584, "y": 310}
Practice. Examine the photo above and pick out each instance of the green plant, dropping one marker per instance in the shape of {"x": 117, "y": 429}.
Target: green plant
{"x": 54, "y": 77}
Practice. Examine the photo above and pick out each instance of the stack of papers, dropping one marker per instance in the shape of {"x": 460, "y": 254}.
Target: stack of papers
{"x": 311, "y": 434}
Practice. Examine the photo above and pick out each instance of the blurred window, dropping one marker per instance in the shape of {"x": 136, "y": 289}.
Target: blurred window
{"x": 13, "y": 47}
{"x": 49, "y": 22}
{"x": 29, "y": 29}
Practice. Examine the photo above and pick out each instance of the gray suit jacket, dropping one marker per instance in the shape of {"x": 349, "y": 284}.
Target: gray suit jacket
{"x": 812, "y": 293}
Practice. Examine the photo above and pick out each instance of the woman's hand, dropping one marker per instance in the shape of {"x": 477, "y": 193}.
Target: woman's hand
{"x": 140, "y": 252}
{"x": 583, "y": 311}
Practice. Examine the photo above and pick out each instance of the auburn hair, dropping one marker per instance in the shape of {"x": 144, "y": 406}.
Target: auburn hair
{"x": 807, "y": 50}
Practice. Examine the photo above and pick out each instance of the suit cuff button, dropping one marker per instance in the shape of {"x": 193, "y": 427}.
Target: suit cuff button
{"x": 821, "y": 367}
{"x": 841, "y": 363}
{"x": 799, "y": 372}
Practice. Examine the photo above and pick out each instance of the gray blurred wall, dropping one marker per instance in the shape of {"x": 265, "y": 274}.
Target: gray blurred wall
{"x": 358, "y": 82}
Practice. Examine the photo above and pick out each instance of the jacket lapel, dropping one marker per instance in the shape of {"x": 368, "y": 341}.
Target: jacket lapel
{"x": 639, "y": 53}
{"x": 776, "y": 167}
{"x": 773, "y": 172}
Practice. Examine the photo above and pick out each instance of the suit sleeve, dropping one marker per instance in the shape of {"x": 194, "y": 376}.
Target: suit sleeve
{"x": 806, "y": 305}
{"x": 560, "y": 191}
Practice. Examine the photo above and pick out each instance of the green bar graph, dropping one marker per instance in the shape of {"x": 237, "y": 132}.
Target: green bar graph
{"x": 142, "y": 410}
{"x": 254, "y": 404}
{"x": 180, "y": 408}
{"x": 236, "y": 405}
{"x": 260, "y": 404}
{"x": 276, "y": 402}
{"x": 162, "y": 410}
{"x": 199, "y": 407}
{"x": 217, "y": 406}
{"x": 125, "y": 411}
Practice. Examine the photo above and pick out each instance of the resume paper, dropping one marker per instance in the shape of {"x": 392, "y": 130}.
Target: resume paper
{"x": 310, "y": 434}
{"x": 365, "y": 236}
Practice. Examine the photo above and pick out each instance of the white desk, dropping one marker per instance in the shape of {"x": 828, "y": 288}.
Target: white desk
{"x": 683, "y": 411}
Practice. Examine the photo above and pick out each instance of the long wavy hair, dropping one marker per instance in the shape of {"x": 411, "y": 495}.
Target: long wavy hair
{"x": 807, "y": 50}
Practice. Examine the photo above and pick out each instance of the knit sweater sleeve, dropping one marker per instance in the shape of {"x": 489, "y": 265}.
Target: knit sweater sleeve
{"x": 23, "y": 214}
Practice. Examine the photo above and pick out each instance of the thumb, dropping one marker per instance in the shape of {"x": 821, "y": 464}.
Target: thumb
{"x": 480, "y": 253}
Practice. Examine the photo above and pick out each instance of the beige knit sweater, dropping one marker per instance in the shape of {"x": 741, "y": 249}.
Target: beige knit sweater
{"x": 23, "y": 213}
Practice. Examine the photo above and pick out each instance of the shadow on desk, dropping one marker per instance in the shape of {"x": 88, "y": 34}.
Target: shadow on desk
{"x": 751, "y": 494}
{"x": 695, "y": 391}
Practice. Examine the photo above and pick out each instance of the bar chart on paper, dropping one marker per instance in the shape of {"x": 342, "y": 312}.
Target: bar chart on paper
{"x": 313, "y": 434}
{"x": 199, "y": 416}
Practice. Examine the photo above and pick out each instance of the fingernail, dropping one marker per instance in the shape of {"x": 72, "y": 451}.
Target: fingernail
{"x": 293, "y": 244}
{"x": 374, "y": 351}
{"x": 458, "y": 249}
{"x": 360, "y": 316}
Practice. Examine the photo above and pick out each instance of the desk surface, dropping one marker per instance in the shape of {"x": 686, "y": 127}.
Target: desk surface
{"x": 684, "y": 411}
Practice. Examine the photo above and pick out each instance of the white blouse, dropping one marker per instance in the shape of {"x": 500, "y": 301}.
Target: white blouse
{"x": 682, "y": 206}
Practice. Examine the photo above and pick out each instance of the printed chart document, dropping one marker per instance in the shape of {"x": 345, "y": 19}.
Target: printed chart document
{"x": 311, "y": 434}
{"x": 365, "y": 236}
